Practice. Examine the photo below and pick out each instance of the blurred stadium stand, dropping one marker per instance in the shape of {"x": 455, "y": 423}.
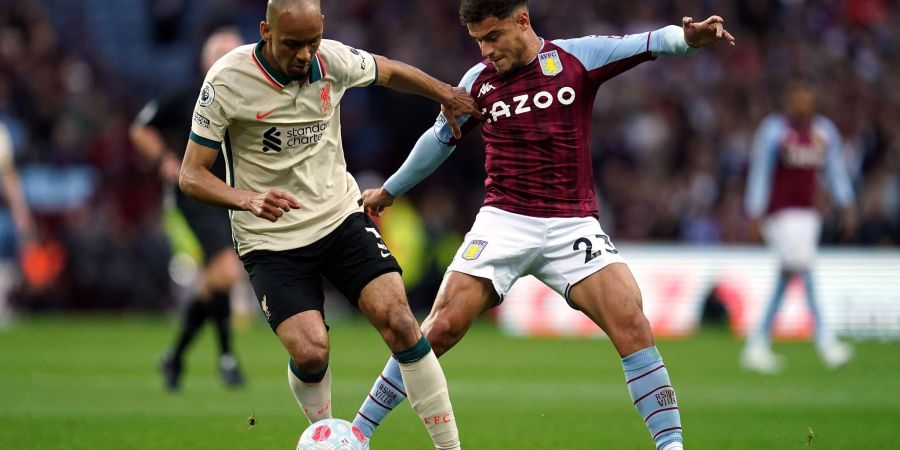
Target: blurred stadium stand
{"x": 671, "y": 138}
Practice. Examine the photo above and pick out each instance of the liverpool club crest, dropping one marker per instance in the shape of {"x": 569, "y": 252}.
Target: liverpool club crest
{"x": 325, "y": 97}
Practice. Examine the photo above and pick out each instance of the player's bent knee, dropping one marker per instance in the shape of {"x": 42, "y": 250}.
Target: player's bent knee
{"x": 635, "y": 329}
{"x": 310, "y": 358}
{"x": 443, "y": 334}
{"x": 401, "y": 330}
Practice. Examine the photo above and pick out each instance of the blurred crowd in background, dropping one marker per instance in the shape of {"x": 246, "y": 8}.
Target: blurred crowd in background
{"x": 671, "y": 138}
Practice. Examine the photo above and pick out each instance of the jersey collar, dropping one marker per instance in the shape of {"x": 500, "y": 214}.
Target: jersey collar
{"x": 276, "y": 78}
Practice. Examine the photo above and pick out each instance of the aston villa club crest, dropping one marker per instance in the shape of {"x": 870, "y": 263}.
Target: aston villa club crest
{"x": 473, "y": 251}
{"x": 550, "y": 63}
{"x": 325, "y": 97}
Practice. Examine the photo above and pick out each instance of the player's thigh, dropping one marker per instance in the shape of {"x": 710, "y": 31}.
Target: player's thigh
{"x": 500, "y": 247}
{"x": 355, "y": 256}
{"x": 360, "y": 265}
{"x": 575, "y": 249}
{"x": 609, "y": 296}
{"x": 286, "y": 283}
{"x": 383, "y": 302}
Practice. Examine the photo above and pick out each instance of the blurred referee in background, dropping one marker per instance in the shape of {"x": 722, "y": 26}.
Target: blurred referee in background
{"x": 159, "y": 132}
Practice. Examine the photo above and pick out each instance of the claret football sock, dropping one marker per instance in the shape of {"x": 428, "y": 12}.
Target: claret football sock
{"x": 653, "y": 395}
{"x": 386, "y": 394}
{"x": 312, "y": 391}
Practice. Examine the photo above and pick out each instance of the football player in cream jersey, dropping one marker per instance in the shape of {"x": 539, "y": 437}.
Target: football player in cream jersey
{"x": 273, "y": 109}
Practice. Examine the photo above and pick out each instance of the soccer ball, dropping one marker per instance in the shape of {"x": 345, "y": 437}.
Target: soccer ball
{"x": 333, "y": 434}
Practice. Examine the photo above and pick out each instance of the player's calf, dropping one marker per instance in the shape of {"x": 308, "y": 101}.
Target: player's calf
{"x": 427, "y": 388}
{"x": 312, "y": 391}
{"x": 653, "y": 396}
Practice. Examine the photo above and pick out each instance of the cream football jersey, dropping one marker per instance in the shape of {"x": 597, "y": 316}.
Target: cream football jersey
{"x": 283, "y": 134}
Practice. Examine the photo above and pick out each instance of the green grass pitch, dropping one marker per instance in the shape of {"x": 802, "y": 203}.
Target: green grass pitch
{"x": 91, "y": 383}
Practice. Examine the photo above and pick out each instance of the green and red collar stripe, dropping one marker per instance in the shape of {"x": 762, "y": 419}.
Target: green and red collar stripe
{"x": 276, "y": 78}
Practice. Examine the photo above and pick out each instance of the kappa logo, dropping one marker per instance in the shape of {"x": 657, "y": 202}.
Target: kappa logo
{"x": 473, "y": 251}
{"x": 485, "y": 88}
{"x": 272, "y": 140}
{"x": 550, "y": 63}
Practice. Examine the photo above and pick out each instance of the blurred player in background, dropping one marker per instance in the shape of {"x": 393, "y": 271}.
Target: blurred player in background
{"x": 791, "y": 151}
{"x": 158, "y": 133}
{"x": 540, "y": 213}
{"x": 22, "y": 221}
{"x": 274, "y": 108}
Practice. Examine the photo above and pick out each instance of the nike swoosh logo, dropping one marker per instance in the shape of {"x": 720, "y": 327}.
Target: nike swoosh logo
{"x": 263, "y": 116}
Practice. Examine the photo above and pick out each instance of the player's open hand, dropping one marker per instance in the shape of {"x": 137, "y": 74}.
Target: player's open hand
{"x": 705, "y": 33}
{"x": 460, "y": 103}
{"x": 376, "y": 200}
{"x": 272, "y": 204}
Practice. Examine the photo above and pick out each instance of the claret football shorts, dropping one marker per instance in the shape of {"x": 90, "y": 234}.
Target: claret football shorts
{"x": 504, "y": 246}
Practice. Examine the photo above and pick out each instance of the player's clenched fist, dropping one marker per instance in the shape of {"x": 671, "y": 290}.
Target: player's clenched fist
{"x": 271, "y": 205}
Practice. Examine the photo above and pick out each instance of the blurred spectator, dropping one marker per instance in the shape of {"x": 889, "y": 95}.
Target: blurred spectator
{"x": 18, "y": 237}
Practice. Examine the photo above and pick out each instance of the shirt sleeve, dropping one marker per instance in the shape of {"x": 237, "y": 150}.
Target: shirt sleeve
{"x": 762, "y": 166}
{"x": 212, "y": 113}
{"x": 426, "y": 156}
{"x": 595, "y": 52}
{"x": 353, "y": 66}
{"x": 434, "y": 146}
{"x": 441, "y": 129}
{"x": 835, "y": 170}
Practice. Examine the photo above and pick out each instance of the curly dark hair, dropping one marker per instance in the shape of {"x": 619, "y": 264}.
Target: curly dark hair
{"x": 473, "y": 11}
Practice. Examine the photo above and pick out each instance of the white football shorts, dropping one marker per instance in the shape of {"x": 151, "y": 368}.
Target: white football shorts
{"x": 503, "y": 246}
{"x": 794, "y": 235}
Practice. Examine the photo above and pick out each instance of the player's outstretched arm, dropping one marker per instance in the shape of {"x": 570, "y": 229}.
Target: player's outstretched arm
{"x": 197, "y": 181}
{"x": 405, "y": 78}
{"x": 709, "y": 31}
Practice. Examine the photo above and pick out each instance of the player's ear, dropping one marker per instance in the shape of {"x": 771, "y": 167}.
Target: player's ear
{"x": 523, "y": 21}
{"x": 264, "y": 31}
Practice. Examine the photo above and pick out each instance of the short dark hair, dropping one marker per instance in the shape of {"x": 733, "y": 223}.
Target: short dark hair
{"x": 473, "y": 11}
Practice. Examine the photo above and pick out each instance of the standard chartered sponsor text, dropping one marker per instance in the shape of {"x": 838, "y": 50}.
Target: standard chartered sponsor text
{"x": 306, "y": 135}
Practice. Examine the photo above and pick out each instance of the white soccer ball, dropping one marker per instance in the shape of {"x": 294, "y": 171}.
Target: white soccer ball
{"x": 333, "y": 434}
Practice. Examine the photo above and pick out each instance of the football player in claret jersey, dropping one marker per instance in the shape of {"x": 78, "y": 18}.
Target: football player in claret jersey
{"x": 540, "y": 215}
{"x": 273, "y": 109}
{"x": 791, "y": 153}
